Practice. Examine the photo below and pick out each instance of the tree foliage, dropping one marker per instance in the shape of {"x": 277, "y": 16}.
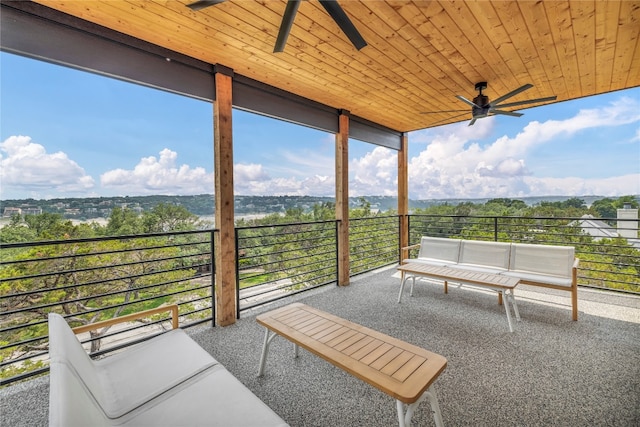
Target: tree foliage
{"x": 93, "y": 280}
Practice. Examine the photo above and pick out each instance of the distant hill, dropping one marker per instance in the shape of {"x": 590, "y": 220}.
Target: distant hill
{"x": 203, "y": 204}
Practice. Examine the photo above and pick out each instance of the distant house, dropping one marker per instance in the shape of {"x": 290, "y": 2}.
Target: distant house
{"x": 9, "y": 212}
{"x": 32, "y": 211}
{"x": 596, "y": 228}
{"x": 601, "y": 230}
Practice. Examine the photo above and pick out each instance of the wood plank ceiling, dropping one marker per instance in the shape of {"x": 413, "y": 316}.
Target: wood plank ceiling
{"x": 420, "y": 54}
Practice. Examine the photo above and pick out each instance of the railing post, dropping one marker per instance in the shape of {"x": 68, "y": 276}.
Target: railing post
{"x": 495, "y": 228}
{"x": 342, "y": 196}
{"x": 237, "y": 274}
{"x": 224, "y": 196}
{"x": 213, "y": 279}
{"x": 337, "y": 226}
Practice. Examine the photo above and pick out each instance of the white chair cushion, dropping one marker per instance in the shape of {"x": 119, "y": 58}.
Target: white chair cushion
{"x": 542, "y": 259}
{"x": 65, "y": 348}
{"x": 540, "y": 278}
{"x": 429, "y": 261}
{"x": 148, "y": 369}
{"x": 492, "y": 255}
{"x": 215, "y": 398}
{"x": 479, "y": 268}
{"x": 438, "y": 248}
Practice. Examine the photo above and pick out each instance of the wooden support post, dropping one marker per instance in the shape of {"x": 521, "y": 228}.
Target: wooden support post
{"x": 342, "y": 197}
{"x": 403, "y": 192}
{"x": 225, "y": 245}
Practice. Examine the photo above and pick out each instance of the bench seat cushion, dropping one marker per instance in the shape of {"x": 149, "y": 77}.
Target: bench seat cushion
{"x": 540, "y": 278}
{"x": 215, "y": 399}
{"x": 160, "y": 364}
{"x": 430, "y": 261}
{"x": 479, "y": 268}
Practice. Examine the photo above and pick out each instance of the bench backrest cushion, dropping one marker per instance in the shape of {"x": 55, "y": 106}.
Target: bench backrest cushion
{"x": 75, "y": 386}
{"x": 439, "y": 248}
{"x": 485, "y": 254}
{"x": 542, "y": 259}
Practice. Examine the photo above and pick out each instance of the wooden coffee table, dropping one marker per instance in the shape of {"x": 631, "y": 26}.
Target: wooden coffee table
{"x": 402, "y": 370}
{"x": 504, "y": 285}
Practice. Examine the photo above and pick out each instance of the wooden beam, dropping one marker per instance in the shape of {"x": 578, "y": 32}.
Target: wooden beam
{"x": 225, "y": 242}
{"x": 342, "y": 196}
{"x": 403, "y": 191}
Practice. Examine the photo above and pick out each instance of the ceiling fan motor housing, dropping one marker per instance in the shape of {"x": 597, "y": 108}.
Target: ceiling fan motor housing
{"x": 482, "y": 106}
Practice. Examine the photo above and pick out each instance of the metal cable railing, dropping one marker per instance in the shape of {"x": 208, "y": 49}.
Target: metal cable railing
{"x": 92, "y": 279}
{"x": 88, "y": 280}
{"x": 374, "y": 242}
{"x": 605, "y": 262}
{"x": 280, "y": 260}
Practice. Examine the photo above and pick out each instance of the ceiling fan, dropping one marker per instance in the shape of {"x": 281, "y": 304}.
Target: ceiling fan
{"x": 481, "y": 107}
{"x": 331, "y": 6}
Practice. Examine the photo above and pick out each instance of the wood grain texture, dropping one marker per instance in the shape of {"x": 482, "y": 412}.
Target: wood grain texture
{"x": 400, "y": 369}
{"x": 419, "y": 54}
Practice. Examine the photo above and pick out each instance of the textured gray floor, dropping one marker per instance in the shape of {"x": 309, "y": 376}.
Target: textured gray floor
{"x": 550, "y": 371}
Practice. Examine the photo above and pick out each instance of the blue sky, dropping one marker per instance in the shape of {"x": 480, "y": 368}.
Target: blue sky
{"x": 66, "y": 133}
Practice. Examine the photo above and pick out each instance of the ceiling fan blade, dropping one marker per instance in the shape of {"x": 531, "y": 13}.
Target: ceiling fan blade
{"x": 337, "y": 13}
{"x": 449, "y": 118}
{"x": 199, "y": 5}
{"x": 530, "y": 101}
{"x": 472, "y": 122}
{"x": 465, "y": 100}
{"x": 505, "y": 113}
{"x": 443, "y": 111}
{"x": 510, "y": 94}
{"x": 285, "y": 26}
{"x": 466, "y": 113}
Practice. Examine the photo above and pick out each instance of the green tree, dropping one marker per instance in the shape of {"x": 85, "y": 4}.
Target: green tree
{"x": 604, "y": 208}
{"x": 165, "y": 217}
{"x": 123, "y": 222}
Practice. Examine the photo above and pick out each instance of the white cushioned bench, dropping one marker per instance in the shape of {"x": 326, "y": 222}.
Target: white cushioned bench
{"x": 168, "y": 380}
{"x": 547, "y": 266}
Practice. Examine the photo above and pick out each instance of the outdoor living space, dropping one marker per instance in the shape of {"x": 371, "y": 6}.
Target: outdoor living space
{"x": 550, "y": 371}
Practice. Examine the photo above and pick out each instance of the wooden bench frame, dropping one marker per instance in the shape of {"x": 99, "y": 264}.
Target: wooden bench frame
{"x": 173, "y": 308}
{"x": 399, "y": 369}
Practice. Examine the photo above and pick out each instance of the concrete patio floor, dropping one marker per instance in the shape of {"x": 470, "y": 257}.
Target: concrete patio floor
{"x": 551, "y": 371}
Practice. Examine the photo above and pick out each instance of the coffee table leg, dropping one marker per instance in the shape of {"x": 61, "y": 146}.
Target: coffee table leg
{"x": 505, "y": 298}
{"x": 402, "y": 281}
{"x": 404, "y": 418}
{"x": 268, "y": 337}
{"x": 515, "y": 305}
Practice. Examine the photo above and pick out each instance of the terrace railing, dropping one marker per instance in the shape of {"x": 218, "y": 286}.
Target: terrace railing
{"x": 277, "y": 261}
{"x": 93, "y": 279}
{"x": 374, "y": 242}
{"x": 609, "y": 263}
{"x": 88, "y": 280}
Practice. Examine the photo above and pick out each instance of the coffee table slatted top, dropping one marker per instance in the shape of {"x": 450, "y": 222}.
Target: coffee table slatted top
{"x": 395, "y": 367}
{"x": 467, "y": 276}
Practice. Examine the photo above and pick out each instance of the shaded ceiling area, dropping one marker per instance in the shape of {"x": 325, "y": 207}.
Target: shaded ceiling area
{"x": 419, "y": 54}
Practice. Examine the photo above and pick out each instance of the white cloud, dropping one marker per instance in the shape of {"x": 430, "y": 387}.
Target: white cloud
{"x": 454, "y": 166}
{"x": 159, "y": 176}
{"x": 27, "y": 168}
{"x": 253, "y": 180}
{"x": 374, "y": 173}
